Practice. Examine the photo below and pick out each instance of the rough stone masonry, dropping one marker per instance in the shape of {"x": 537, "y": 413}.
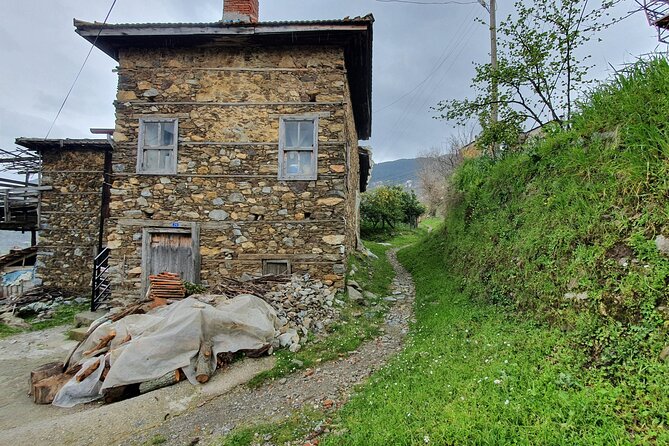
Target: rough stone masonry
{"x": 228, "y": 102}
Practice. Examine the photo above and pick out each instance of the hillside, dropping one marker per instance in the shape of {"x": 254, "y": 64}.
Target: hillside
{"x": 402, "y": 172}
{"x": 542, "y": 304}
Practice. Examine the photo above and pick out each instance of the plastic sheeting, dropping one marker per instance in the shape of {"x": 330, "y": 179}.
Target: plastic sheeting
{"x": 167, "y": 338}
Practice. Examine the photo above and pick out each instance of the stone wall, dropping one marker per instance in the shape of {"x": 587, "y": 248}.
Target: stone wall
{"x": 69, "y": 218}
{"x": 229, "y": 104}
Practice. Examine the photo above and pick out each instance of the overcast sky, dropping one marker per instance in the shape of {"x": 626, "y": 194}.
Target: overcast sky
{"x": 422, "y": 54}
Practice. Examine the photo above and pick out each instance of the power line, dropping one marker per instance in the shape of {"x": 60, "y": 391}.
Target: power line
{"x": 76, "y": 78}
{"x": 440, "y": 62}
{"x": 416, "y": 2}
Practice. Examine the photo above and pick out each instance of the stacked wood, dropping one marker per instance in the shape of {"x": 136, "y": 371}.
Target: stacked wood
{"x": 166, "y": 286}
{"x": 47, "y": 380}
{"x": 257, "y": 286}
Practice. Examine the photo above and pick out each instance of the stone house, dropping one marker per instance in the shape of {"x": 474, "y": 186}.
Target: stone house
{"x": 235, "y": 148}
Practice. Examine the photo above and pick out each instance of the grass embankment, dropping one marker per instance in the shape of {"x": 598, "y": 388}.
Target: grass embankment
{"x": 541, "y": 305}
{"x": 63, "y": 315}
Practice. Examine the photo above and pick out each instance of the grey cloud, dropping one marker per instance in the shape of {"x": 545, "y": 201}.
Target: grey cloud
{"x": 38, "y": 67}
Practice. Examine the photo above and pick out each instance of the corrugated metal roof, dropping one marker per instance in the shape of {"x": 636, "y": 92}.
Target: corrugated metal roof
{"x": 347, "y": 20}
{"x": 82, "y": 143}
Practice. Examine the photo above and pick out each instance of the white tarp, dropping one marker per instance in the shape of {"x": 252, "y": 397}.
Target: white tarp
{"x": 167, "y": 338}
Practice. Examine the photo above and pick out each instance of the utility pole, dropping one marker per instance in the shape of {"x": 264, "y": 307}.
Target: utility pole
{"x": 491, "y": 7}
{"x": 494, "y": 110}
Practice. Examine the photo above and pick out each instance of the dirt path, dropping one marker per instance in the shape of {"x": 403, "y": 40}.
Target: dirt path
{"x": 184, "y": 413}
{"x": 332, "y": 381}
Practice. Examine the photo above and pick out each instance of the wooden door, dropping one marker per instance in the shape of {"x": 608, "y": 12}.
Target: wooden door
{"x": 172, "y": 253}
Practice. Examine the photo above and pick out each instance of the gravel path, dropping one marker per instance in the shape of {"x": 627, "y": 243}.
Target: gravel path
{"x": 333, "y": 381}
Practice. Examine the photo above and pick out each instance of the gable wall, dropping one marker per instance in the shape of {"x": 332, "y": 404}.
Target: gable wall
{"x": 228, "y": 103}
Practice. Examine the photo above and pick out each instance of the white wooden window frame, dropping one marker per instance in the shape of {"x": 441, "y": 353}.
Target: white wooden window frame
{"x": 283, "y": 149}
{"x": 172, "y": 168}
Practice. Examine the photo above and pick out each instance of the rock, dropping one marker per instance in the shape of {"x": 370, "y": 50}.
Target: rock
{"x": 334, "y": 239}
{"x": 354, "y": 284}
{"x": 576, "y": 296}
{"x": 151, "y": 93}
{"x": 285, "y": 340}
{"x": 369, "y": 295}
{"x": 13, "y": 321}
{"x": 294, "y": 348}
{"x": 236, "y": 197}
{"x": 662, "y": 244}
{"x": 354, "y": 295}
{"x": 218, "y": 215}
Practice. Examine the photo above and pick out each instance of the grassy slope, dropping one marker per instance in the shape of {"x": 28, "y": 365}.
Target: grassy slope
{"x": 578, "y": 212}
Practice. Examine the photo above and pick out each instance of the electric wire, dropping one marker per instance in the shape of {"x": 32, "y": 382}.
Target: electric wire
{"x": 76, "y": 78}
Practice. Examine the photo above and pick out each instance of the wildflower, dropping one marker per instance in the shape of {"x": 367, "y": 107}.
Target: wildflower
{"x": 498, "y": 381}
{"x": 426, "y": 439}
{"x": 506, "y": 402}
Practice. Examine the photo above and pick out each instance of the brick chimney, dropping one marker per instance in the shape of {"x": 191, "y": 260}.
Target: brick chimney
{"x": 240, "y": 11}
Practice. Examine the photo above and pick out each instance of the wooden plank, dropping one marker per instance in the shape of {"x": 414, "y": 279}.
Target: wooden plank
{"x": 236, "y": 104}
{"x": 278, "y": 256}
{"x": 213, "y": 225}
{"x": 232, "y": 69}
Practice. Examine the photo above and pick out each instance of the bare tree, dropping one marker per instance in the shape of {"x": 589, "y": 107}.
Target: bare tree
{"x": 436, "y": 166}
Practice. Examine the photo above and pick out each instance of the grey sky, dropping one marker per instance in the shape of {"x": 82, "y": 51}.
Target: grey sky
{"x": 41, "y": 54}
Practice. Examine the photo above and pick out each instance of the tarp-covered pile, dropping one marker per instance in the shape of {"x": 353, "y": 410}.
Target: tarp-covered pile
{"x": 187, "y": 337}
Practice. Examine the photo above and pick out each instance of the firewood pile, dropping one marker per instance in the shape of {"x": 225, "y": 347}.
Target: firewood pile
{"x": 257, "y": 286}
{"x": 41, "y": 294}
{"x": 89, "y": 374}
{"x": 166, "y": 286}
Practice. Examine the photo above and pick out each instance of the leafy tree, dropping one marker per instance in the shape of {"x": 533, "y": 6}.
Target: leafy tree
{"x": 539, "y": 72}
{"x": 411, "y": 208}
{"x": 389, "y": 205}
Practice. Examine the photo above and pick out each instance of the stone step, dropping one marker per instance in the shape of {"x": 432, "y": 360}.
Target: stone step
{"x": 78, "y": 334}
{"x": 86, "y": 318}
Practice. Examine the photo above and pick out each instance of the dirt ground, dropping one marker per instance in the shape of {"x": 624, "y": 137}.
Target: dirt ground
{"x": 186, "y": 414}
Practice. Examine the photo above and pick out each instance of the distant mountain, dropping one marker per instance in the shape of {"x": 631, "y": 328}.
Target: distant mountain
{"x": 402, "y": 172}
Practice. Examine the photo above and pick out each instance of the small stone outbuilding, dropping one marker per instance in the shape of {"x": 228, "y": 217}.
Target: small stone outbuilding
{"x": 70, "y": 210}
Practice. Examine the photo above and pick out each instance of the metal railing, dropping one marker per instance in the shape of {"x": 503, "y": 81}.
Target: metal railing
{"x": 101, "y": 285}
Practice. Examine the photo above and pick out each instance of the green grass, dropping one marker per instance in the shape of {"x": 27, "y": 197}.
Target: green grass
{"x": 296, "y": 425}
{"x": 575, "y": 212}
{"x": 443, "y": 387}
{"x": 63, "y": 315}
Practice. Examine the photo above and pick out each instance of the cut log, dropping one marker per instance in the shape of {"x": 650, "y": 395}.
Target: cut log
{"x": 45, "y": 391}
{"x": 120, "y": 393}
{"x": 204, "y": 365}
{"x": 164, "y": 381}
{"x": 43, "y": 372}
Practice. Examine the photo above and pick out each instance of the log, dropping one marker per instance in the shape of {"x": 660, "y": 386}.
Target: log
{"x": 43, "y": 372}
{"x": 45, "y": 391}
{"x": 120, "y": 393}
{"x": 203, "y": 365}
{"x": 104, "y": 341}
{"x": 86, "y": 373}
{"x": 164, "y": 381}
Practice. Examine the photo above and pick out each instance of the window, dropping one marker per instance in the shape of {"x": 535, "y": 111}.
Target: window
{"x": 275, "y": 267}
{"x": 298, "y": 148}
{"x": 157, "y": 152}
